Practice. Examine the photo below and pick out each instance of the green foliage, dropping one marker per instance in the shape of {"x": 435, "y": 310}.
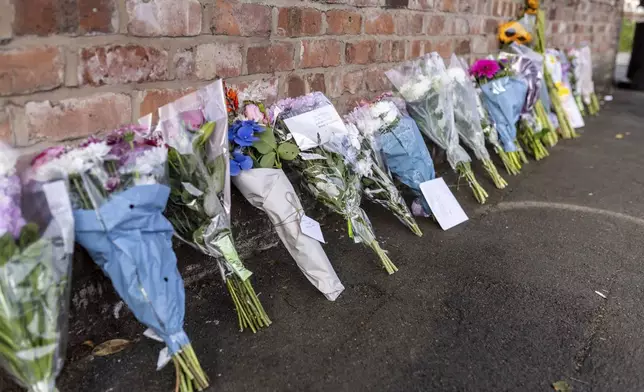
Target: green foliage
{"x": 626, "y": 35}
{"x": 269, "y": 152}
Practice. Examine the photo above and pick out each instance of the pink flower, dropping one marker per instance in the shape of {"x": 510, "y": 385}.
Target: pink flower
{"x": 192, "y": 119}
{"x": 485, "y": 68}
{"x": 47, "y": 155}
{"x": 252, "y": 112}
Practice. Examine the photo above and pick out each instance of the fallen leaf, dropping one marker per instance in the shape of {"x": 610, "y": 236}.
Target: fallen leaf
{"x": 89, "y": 344}
{"x": 628, "y": 133}
{"x": 562, "y": 386}
{"x": 619, "y": 136}
{"x": 110, "y": 347}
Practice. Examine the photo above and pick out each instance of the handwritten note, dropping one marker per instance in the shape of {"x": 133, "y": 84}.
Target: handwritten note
{"x": 314, "y": 128}
{"x": 311, "y": 228}
{"x": 443, "y": 204}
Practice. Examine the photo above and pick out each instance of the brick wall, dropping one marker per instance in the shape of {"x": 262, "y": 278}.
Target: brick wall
{"x": 70, "y": 68}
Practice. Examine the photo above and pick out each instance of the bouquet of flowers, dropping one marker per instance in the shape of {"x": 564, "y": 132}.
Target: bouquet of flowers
{"x": 587, "y": 87}
{"x": 397, "y": 137}
{"x": 427, "y": 88}
{"x": 311, "y": 121}
{"x": 568, "y": 112}
{"x": 118, "y": 194}
{"x": 467, "y": 121}
{"x": 196, "y": 129}
{"x": 531, "y": 130}
{"x": 266, "y": 186}
{"x": 36, "y": 245}
{"x": 574, "y": 76}
{"x": 503, "y": 94}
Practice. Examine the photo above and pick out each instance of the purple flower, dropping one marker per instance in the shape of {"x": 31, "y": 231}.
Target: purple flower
{"x": 90, "y": 140}
{"x": 192, "y": 119}
{"x": 243, "y": 132}
{"x": 295, "y": 106}
{"x": 47, "y": 155}
{"x": 240, "y": 162}
{"x": 11, "y": 220}
{"x": 112, "y": 183}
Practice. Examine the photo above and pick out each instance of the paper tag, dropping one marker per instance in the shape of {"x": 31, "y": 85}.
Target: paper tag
{"x": 191, "y": 189}
{"x": 314, "y": 128}
{"x": 61, "y": 209}
{"x": 149, "y": 333}
{"x": 307, "y": 156}
{"x": 572, "y": 111}
{"x": 311, "y": 228}
{"x": 443, "y": 204}
{"x": 164, "y": 358}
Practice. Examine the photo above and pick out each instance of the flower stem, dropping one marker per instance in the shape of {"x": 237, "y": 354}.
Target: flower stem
{"x": 490, "y": 168}
{"x": 533, "y": 143}
{"x": 389, "y": 265}
{"x": 508, "y": 162}
{"x": 250, "y": 312}
{"x": 465, "y": 170}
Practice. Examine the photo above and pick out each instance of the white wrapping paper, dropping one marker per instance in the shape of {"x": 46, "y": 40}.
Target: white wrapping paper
{"x": 271, "y": 191}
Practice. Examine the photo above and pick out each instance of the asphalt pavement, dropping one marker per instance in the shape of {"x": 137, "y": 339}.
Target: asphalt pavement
{"x": 504, "y": 302}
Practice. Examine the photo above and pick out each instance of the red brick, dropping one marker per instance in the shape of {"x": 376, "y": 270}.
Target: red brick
{"x": 392, "y": 51}
{"x": 270, "y": 58}
{"x": 298, "y": 22}
{"x": 232, "y": 18}
{"x": 355, "y": 3}
{"x": 458, "y": 26}
{"x": 184, "y": 64}
{"x": 218, "y": 60}
{"x": 379, "y": 22}
{"x": 442, "y": 47}
{"x": 409, "y": 24}
{"x": 491, "y": 26}
{"x": 343, "y": 22}
{"x": 476, "y": 25}
{"x": 295, "y": 86}
{"x": 6, "y": 19}
{"x": 435, "y": 25}
{"x": 468, "y": 5}
{"x": 174, "y": 18}
{"x": 316, "y": 82}
{"x": 377, "y": 81}
{"x": 97, "y": 16}
{"x": 421, "y": 4}
{"x": 320, "y": 53}
{"x": 266, "y": 89}
{"x": 352, "y": 82}
{"x": 463, "y": 46}
{"x": 5, "y": 127}
{"x": 416, "y": 49}
{"x": 44, "y": 17}
{"x": 122, "y": 64}
{"x": 77, "y": 117}
{"x": 449, "y": 5}
{"x": 27, "y": 70}
{"x": 154, "y": 99}
{"x": 361, "y": 52}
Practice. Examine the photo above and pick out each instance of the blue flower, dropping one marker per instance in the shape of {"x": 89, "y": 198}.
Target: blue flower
{"x": 243, "y": 132}
{"x": 240, "y": 162}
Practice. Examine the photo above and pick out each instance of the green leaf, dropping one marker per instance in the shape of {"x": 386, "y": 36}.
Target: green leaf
{"x": 288, "y": 151}
{"x": 7, "y": 248}
{"x": 206, "y": 131}
{"x": 28, "y": 235}
{"x": 266, "y": 142}
{"x": 268, "y": 160}
{"x": 562, "y": 386}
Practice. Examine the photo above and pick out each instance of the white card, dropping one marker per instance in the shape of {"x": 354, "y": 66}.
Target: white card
{"x": 311, "y": 228}
{"x": 149, "y": 333}
{"x": 307, "y": 156}
{"x": 61, "y": 210}
{"x": 163, "y": 359}
{"x": 572, "y": 111}
{"x": 443, "y": 204}
{"x": 315, "y": 127}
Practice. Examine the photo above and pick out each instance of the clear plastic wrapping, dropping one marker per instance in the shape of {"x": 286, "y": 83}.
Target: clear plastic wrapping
{"x": 325, "y": 174}
{"x": 196, "y": 129}
{"x": 36, "y": 246}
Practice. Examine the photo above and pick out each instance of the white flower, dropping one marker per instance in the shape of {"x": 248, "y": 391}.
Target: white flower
{"x": 415, "y": 89}
{"x": 8, "y": 159}
{"x": 329, "y": 189}
{"x": 145, "y": 180}
{"x": 457, "y": 74}
{"x": 149, "y": 162}
{"x": 363, "y": 167}
{"x": 380, "y": 108}
{"x": 390, "y": 117}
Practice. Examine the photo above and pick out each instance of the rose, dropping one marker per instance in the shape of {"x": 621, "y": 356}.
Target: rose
{"x": 192, "y": 119}
{"x": 252, "y": 112}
